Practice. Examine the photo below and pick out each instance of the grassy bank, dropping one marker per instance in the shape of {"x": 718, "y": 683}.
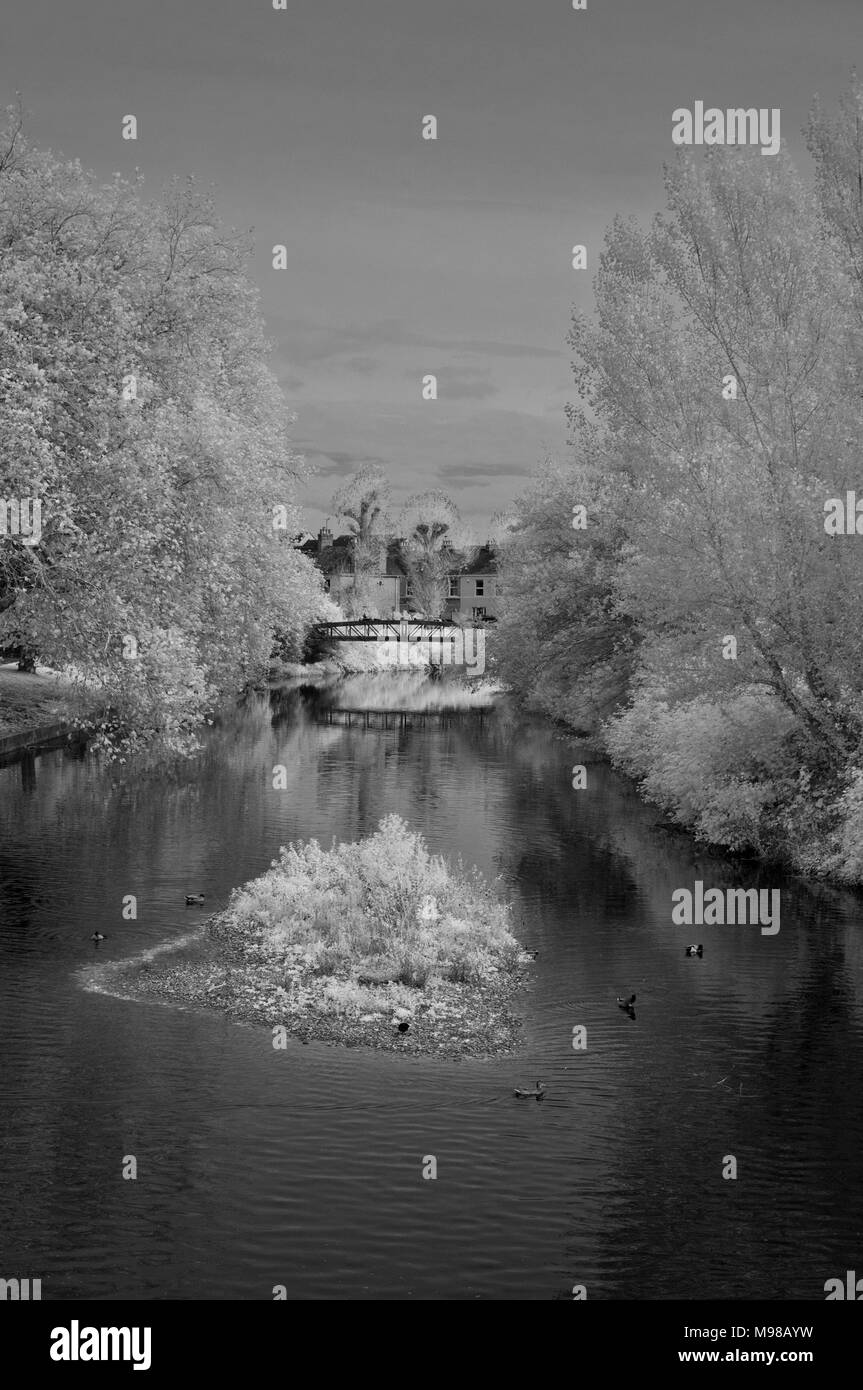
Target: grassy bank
{"x": 407, "y": 691}
{"x": 30, "y": 700}
{"x": 394, "y": 689}
{"x": 377, "y": 943}
{"x": 361, "y": 658}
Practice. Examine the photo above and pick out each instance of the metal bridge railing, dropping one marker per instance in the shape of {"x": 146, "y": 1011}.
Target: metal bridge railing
{"x": 387, "y": 629}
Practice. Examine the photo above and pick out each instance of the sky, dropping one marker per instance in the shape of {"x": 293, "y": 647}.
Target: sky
{"x": 408, "y": 256}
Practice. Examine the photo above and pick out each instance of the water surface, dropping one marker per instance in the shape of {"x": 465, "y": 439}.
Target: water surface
{"x": 304, "y": 1167}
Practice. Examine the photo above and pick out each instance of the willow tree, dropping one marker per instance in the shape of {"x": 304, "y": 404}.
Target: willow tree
{"x": 434, "y": 542}
{"x": 363, "y": 503}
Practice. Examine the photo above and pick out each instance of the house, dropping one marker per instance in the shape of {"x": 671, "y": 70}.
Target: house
{"x": 326, "y": 551}
{"x": 473, "y": 589}
{"x": 381, "y": 593}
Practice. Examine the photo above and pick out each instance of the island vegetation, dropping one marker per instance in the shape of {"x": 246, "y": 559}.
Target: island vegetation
{"x": 376, "y": 942}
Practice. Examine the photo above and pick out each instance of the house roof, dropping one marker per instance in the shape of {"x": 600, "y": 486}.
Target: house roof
{"x": 474, "y": 562}
{"x": 482, "y": 562}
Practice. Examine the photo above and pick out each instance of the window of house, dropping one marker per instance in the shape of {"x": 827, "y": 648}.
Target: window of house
{"x": 453, "y": 586}
{"x": 478, "y": 613}
{"x": 480, "y": 588}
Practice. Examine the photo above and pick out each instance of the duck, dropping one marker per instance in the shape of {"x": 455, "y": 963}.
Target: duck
{"x": 403, "y": 1026}
{"x": 537, "y": 1094}
{"x": 98, "y": 936}
{"x": 626, "y": 1003}
{"x": 194, "y": 900}
{"x": 694, "y": 951}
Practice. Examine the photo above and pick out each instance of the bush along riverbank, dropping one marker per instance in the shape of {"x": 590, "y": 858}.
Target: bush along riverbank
{"x": 686, "y": 582}
{"x": 376, "y": 943}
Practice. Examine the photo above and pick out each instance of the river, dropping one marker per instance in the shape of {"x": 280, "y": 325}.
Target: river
{"x": 303, "y": 1168}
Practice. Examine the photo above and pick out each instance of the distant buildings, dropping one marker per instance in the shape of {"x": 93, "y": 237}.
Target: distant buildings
{"x": 472, "y": 587}
{"x": 380, "y": 594}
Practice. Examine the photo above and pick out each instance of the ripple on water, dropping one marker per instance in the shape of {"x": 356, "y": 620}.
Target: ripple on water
{"x": 304, "y": 1167}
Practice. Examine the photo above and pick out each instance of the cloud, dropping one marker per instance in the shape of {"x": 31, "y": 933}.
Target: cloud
{"x": 362, "y": 364}
{"x": 467, "y": 390}
{"x": 467, "y": 473}
{"x": 481, "y": 455}
{"x": 462, "y": 384}
{"x": 301, "y": 340}
{"x": 493, "y": 349}
{"x": 334, "y": 462}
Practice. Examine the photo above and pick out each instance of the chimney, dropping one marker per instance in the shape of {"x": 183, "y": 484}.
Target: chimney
{"x": 325, "y": 539}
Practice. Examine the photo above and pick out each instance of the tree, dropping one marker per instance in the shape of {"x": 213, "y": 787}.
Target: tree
{"x": 560, "y": 640}
{"x": 434, "y": 542}
{"x": 363, "y": 501}
{"x": 137, "y": 406}
{"x": 722, "y": 378}
{"x": 737, "y": 292}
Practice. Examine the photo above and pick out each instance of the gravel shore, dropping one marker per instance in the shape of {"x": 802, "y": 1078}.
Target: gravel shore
{"x": 444, "y": 1019}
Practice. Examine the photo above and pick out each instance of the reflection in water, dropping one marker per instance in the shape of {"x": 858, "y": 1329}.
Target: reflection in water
{"x": 304, "y": 1167}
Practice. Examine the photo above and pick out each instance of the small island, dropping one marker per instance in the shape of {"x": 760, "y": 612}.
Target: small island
{"x": 376, "y": 943}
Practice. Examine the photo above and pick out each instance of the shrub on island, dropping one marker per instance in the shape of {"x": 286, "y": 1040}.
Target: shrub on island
{"x": 373, "y": 932}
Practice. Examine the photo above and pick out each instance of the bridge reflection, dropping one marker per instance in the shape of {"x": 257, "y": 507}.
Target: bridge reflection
{"x": 398, "y": 718}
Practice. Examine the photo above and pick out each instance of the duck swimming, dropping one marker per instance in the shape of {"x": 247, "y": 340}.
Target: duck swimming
{"x": 626, "y": 1003}
{"x": 694, "y": 951}
{"x": 98, "y": 936}
{"x": 537, "y": 1094}
{"x": 194, "y": 900}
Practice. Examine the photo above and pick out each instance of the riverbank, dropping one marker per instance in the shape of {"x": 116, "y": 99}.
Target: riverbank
{"x": 375, "y": 944}
{"x": 37, "y": 708}
{"x": 735, "y": 773}
{"x": 40, "y": 709}
{"x": 30, "y": 700}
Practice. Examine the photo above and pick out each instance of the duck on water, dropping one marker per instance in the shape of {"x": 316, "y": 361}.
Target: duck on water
{"x": 537, "y": 1094}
